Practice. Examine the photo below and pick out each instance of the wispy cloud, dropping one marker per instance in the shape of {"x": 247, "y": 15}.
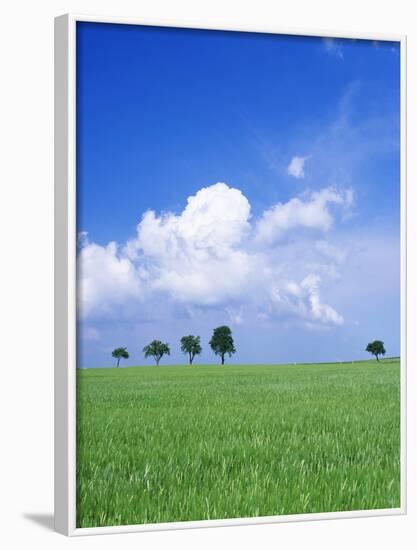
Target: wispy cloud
{"x": 334, "y": 47}
{"x": 90, "y": 334}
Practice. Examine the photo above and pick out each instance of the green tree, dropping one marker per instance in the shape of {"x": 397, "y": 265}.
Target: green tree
{"x": 120, "y": 353}
{"x": 376, "y": 348}
{"x": 157, "y": 350}
{"x": 222, "y": 342}
{"x": 191, "y": 344}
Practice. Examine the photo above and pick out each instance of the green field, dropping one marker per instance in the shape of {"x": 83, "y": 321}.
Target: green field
{"x": 161, "y": 444}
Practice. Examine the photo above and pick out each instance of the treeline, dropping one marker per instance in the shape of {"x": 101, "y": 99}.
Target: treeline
{"x": 221, "y": 343}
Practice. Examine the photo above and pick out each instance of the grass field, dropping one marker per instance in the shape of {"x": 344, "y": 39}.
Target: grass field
{"x": 160, "y": 444}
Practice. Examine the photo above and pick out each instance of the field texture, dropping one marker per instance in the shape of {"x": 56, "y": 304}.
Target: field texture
{"x": 161, "y": 444}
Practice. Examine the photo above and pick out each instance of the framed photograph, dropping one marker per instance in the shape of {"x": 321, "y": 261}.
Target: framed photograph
{"x": 229, "y": 275}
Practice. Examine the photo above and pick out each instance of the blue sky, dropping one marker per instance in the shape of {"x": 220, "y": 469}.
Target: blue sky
{"x": 287, "y": 150}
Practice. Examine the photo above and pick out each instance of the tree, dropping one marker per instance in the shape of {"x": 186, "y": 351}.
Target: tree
{"x": 120, "y": 353}
{"x": 222, "y": 342}
{"x": 157, "y": 350}
{"x": 191, "y": 344}
{"x": 376, "y": 348}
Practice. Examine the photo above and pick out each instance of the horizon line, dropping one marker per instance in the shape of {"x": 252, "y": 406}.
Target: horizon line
{"x": 291, "y": 363}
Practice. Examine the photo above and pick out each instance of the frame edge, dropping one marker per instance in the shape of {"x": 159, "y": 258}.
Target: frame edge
{"x": 63, "y": 375}
{"x": 64, "y": 280}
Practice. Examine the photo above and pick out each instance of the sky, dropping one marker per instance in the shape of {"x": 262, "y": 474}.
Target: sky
{"x": 233, "y": 178}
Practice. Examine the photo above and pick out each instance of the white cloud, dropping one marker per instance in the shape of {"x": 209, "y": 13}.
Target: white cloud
{"x": 302, "y": 300}
{"x": 296, "y": 167}
{"x": 194, "y": 256}
{"x": 209, "y": 256}
{"x": 319, "y": 311}
{"x": 105, "y": 279}
{"x": 310, "y": 212}
{"x": 82, "y": 239}
{"x": 215, "y": 219}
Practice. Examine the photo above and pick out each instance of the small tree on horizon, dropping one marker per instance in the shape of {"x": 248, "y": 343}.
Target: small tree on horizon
{"x": 222, "y": 342}
{"x": 191, "y": 344}
{"x": 120, "y": 353}
{"x": 157, "y": 350}
{"x": 376, "y": 348}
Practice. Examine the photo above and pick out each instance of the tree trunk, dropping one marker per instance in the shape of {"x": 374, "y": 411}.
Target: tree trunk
{"x": 222, "y": 359}
{"x": 191, "y": 360}
{"x": 157, "y": 361}
{"x": 376, "y": 355}
{"x": 118, "y": 361}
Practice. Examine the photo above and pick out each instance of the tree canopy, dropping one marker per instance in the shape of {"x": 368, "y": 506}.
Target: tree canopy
{"x": 120, "y": 353}
{"x": 157, "y": 350}
{"x": 191, "y": 344}
{"x": 222, "y": 342}
{"x": 376, "y": 348}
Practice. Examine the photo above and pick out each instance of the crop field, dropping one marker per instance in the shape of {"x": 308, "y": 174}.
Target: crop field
{"x": 162, "y": 444}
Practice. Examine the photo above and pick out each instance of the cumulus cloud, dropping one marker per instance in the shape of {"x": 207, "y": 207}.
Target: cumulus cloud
{"x": 105, "y": 279}
{"x": 311, "y": 212}
{"x": 296, "y": 167}
{"x": 194, "y": 256}
{"x": 211, "y": 255}
{"x": 214, "y": 220}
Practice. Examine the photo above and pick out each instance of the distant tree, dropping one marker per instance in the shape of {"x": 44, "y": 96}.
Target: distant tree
{"x": 376, "y": 348}
{"x": 120, "y": 353}
{"x": 157, "y": 350}
{"x": 222, "y": 342}
{"x": 191, "y": 344}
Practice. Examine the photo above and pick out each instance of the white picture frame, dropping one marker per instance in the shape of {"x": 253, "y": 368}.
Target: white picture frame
{"x": 65, "y": 281}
